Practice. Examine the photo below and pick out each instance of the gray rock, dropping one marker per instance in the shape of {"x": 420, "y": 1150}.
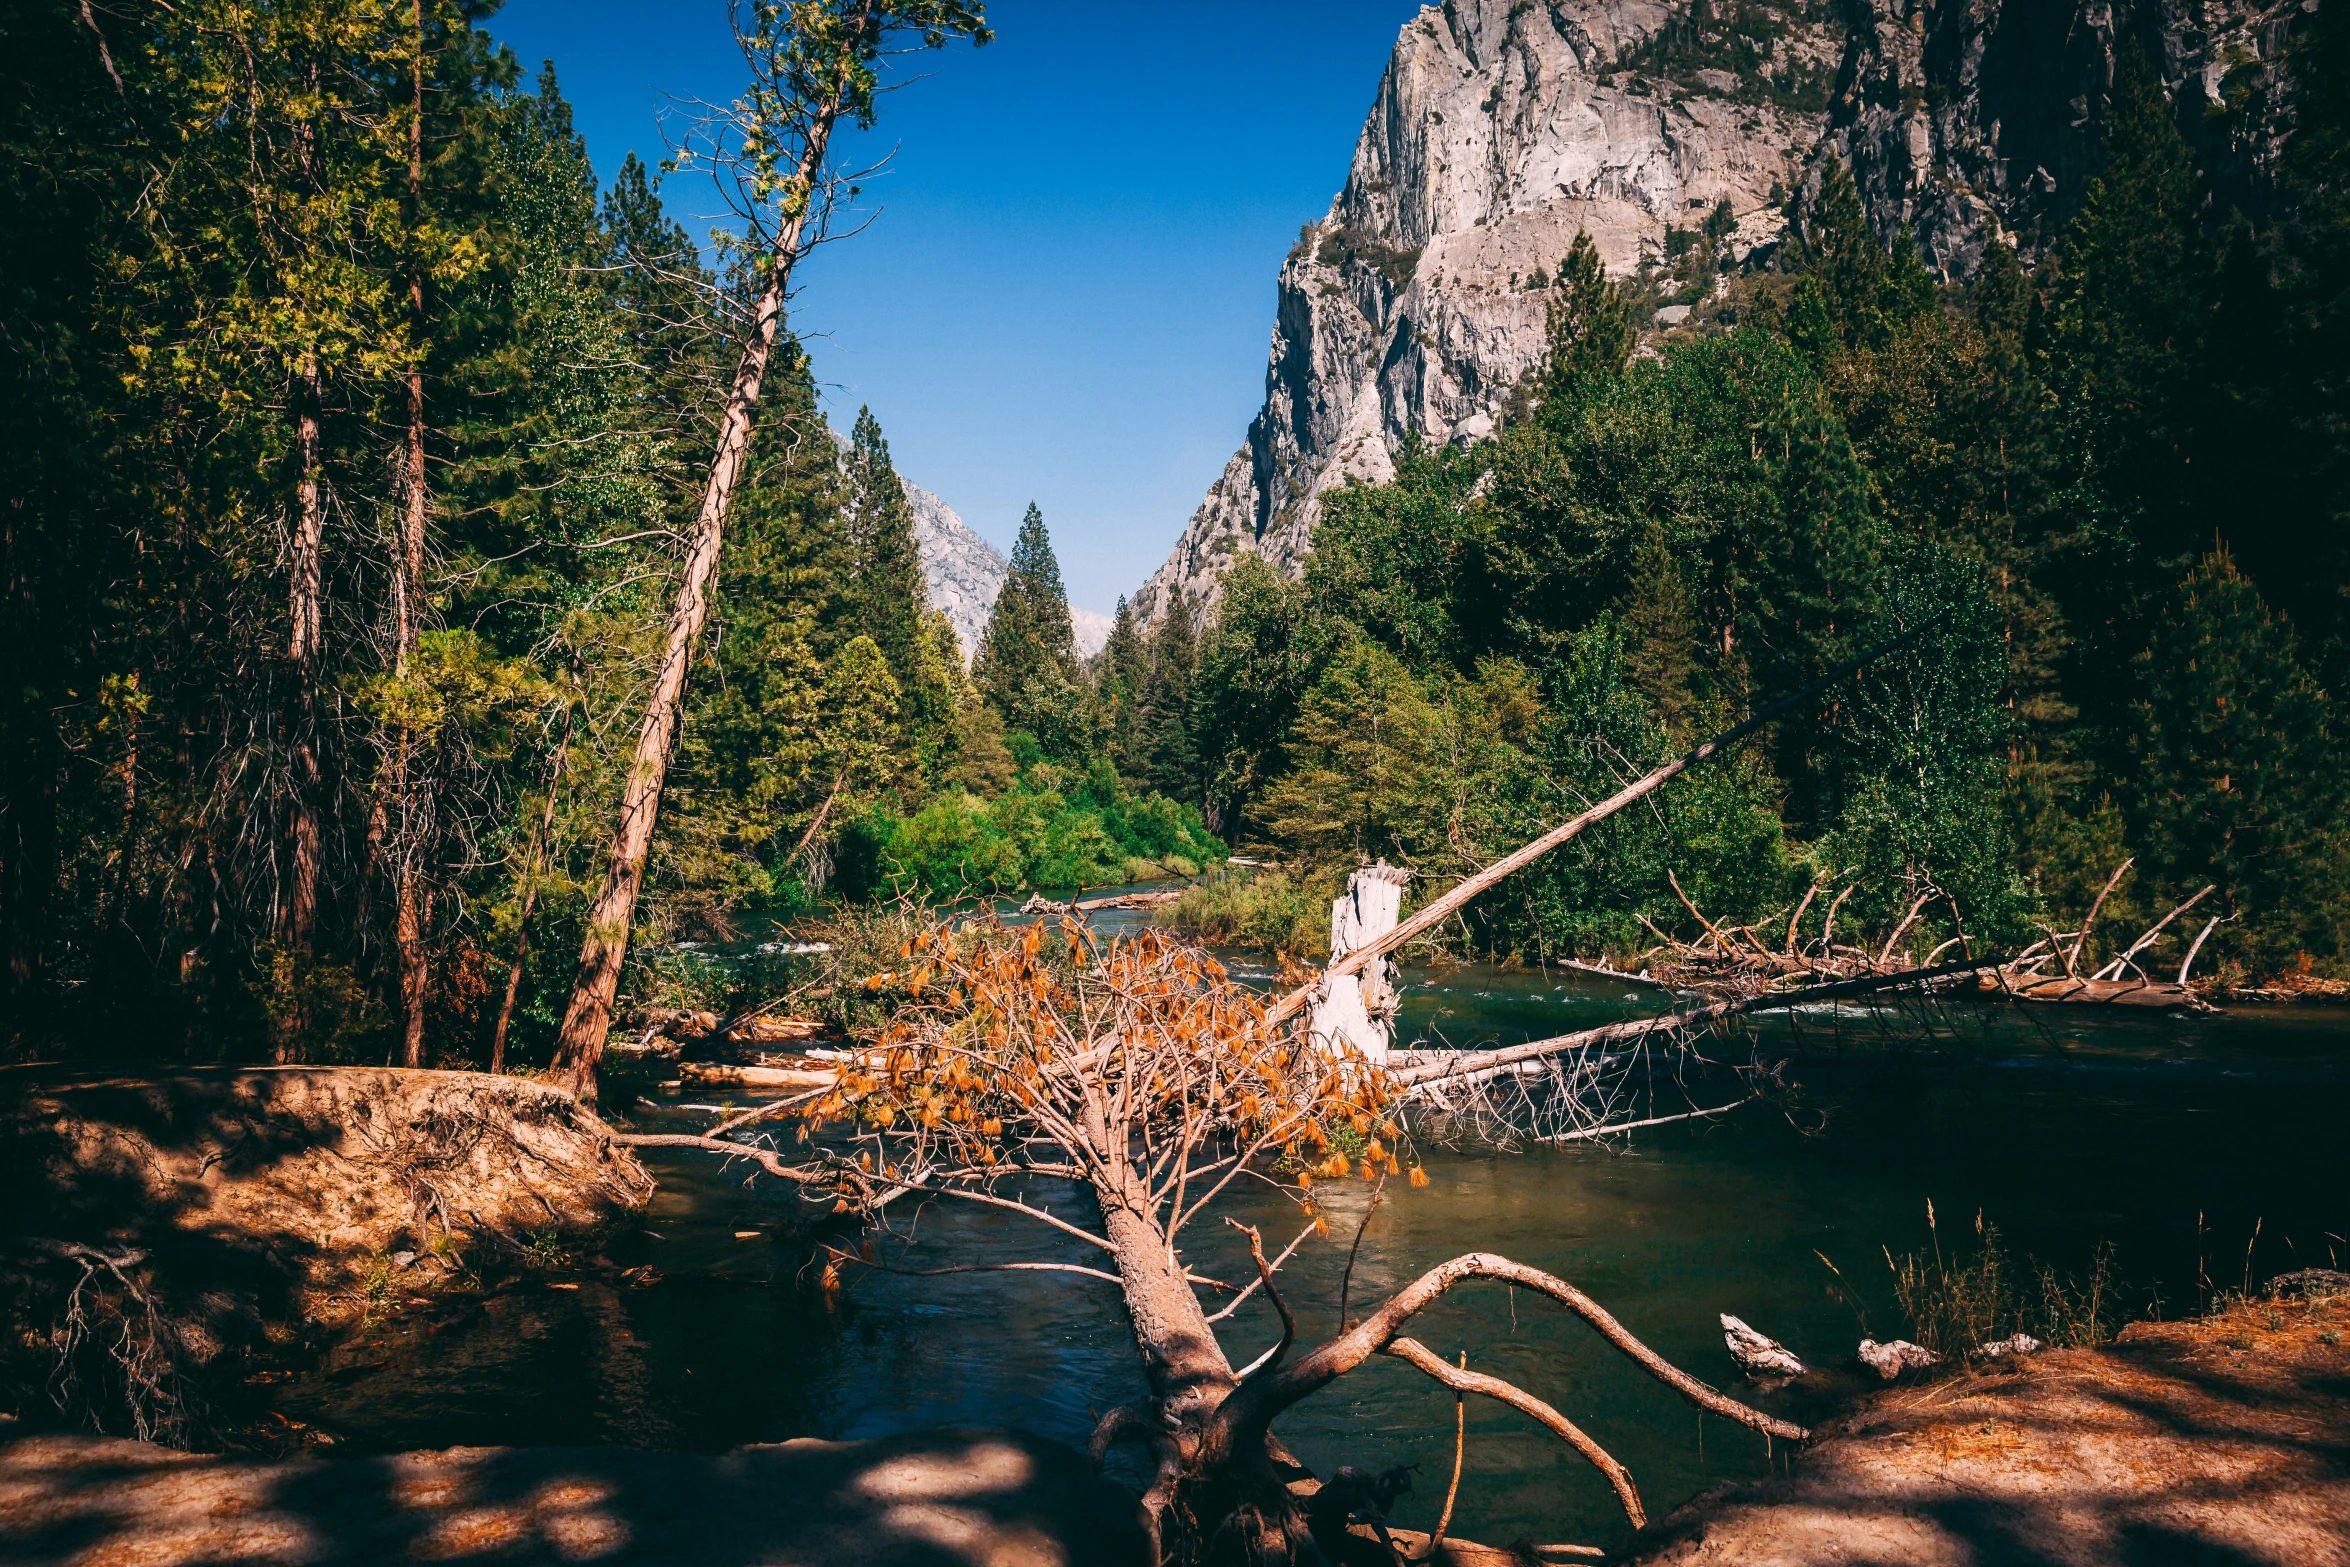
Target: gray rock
{"x": 1999, "y": 1349}
{"x": 1501, "y": 128}
{"x": 1757, "y": 1355}
{"x": 1672, "y": 315}
{"x": 1891, "y": 1360}
{"x": 964, "y": 574}
{"x": 2309, "y": 1283}
{"x": 962, "y": 570}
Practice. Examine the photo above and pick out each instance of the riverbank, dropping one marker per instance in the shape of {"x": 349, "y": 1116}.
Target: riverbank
{"x": 2224, "y": 1440}
{"x": 163, "y": 1232}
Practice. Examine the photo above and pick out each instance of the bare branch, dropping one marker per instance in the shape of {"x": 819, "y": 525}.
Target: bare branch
{"x": 1466, "y": 1381}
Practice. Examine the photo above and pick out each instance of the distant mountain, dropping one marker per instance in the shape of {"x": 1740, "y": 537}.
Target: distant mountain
{"x": 964, "y": 574}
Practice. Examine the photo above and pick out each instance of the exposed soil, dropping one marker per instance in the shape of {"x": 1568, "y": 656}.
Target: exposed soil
{"x": 2224, "y": 1442}
{"x": 154, "y": 1226}
{"x": 930, "y": 1499}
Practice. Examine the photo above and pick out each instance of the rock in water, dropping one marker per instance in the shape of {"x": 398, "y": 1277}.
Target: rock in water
{"x": 1501, "y": 128}
{"x": 1891, "y": 1360}
{"x": 1756, "y": 1355}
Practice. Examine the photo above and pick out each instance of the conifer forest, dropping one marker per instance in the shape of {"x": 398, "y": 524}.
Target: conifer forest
{"x": 467, "y": 673}
{"x": 356, "y": 440}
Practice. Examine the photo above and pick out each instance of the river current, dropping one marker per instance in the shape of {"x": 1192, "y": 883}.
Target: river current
{"x": 2205, "y": 1150}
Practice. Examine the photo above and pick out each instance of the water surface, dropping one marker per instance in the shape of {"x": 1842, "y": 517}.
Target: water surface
{"x": 2169, "y": 1137}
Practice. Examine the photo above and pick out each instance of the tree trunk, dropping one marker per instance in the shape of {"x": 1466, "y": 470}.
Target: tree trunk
{"x": 580, "y": 1047}
{"x": 1358, "y": 1010}
{"x": 408, "y": 607}
{"x": 530, "y": 893}
{"x": 306, "y": 614}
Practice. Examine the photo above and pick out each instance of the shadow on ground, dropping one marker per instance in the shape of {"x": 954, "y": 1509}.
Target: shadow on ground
{"x": 931, "y": 1499}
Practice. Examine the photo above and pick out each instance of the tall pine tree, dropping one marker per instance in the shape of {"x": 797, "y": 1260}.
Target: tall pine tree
{"x": 885, "y": 595}
{"x": 1027, "y": 664}
{"x": 2123, "y": 335}
{"x": 2233, "y": 777}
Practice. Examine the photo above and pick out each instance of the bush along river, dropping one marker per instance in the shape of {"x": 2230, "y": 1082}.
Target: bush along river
{"x": 2203, "y": 1150}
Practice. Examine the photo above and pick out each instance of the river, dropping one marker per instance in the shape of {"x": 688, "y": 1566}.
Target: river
{"x": 2170, "y": 1137}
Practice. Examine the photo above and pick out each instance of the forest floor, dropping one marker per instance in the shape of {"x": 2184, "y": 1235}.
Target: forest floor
{"x": 2222, "y": 1441}
{"x": 930, "y": 1499}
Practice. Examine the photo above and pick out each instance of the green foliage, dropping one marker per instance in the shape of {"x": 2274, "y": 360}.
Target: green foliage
{"x": 1922, "y": 814}
{"x": 1054, "y": 829}
{"x": 1663, "y": 543}
{"x": 209, "y": 312}
{"x": 1027, "y": 664}
{"x": 1589, "y": 324}
{"x": 1273, "y": 910}
{"x": 2122, "y": 334}
{"x": 1955, "y": 1306}
{"x": 2233, "y": 776}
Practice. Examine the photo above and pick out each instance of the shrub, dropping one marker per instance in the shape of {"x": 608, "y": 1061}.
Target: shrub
{"x": 1958, "y": 1304}
{"x": 1272, "y": 910}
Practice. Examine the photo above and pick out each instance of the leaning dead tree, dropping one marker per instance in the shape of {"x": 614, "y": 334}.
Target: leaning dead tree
{"x": 1364, "y": 928}
{"x": 813, "y": 63}
{"x": 1139, "y": 1072}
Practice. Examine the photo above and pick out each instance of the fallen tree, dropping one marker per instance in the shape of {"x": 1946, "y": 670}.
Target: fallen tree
{"x": 1141, "y": 1072}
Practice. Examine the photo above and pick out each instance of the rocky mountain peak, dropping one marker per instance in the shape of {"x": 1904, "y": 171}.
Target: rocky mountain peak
{"x": 1502, "y": 127}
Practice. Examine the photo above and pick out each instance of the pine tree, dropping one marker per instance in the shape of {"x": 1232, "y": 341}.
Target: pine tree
{"x": 1027, "y": 664}
{"x": 2123, "y": 336}
{"x": 1589, "y": 322}
{"x": 1119, "y": 675}
{"x": 2296, "y": 543}
{"x": 1169, "y": 743}
{"x": 1853, "y": 290}
{"x": 2233, "y": 776}
{"x": 1661, "y": 632}
{"x": 886, "y": 595}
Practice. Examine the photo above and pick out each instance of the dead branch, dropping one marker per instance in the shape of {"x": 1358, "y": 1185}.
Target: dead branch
{"x": 2189, "y": 961}
{"x": 1346, "y": 1279}
{"x": 1256, "y": 1251}
{"x": 1525, "y": 1403}
{"x": 1720, "y": 945}
{"x": 1468, "y": 1064}
{"x": 1264, "y": 1278}
{"x": 2072, "y": 963}
{"x": 1796, "y": 919}
{"x": 766, "y": 1159}
{"x": 1828, "y": 926}
{"x": 2113, "y": 970}
{"x": 1460, "y": 1448}
{"x": 1244, "y": 1417}
{"x": 1902, "y": 929}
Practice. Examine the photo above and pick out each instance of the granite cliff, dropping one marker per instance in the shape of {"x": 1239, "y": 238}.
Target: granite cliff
{"x": 1501, "y": 127}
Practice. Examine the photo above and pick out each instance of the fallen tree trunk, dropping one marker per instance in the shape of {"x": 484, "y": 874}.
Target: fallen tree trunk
{"x": 2094, "y": 992}
{"x": 1138, "y": 1071}
{"x": 1471, "y": 1065}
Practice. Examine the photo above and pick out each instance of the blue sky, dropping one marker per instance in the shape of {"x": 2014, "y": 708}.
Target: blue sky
{"x": 1068, "y": 291}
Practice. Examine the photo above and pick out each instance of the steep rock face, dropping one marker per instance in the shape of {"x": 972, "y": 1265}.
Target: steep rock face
{"x": 964, "y": 574}
{"x": 1963, "y": 119}
{"x": 1501, "y": 127}
{"x": 962, "y": 570}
